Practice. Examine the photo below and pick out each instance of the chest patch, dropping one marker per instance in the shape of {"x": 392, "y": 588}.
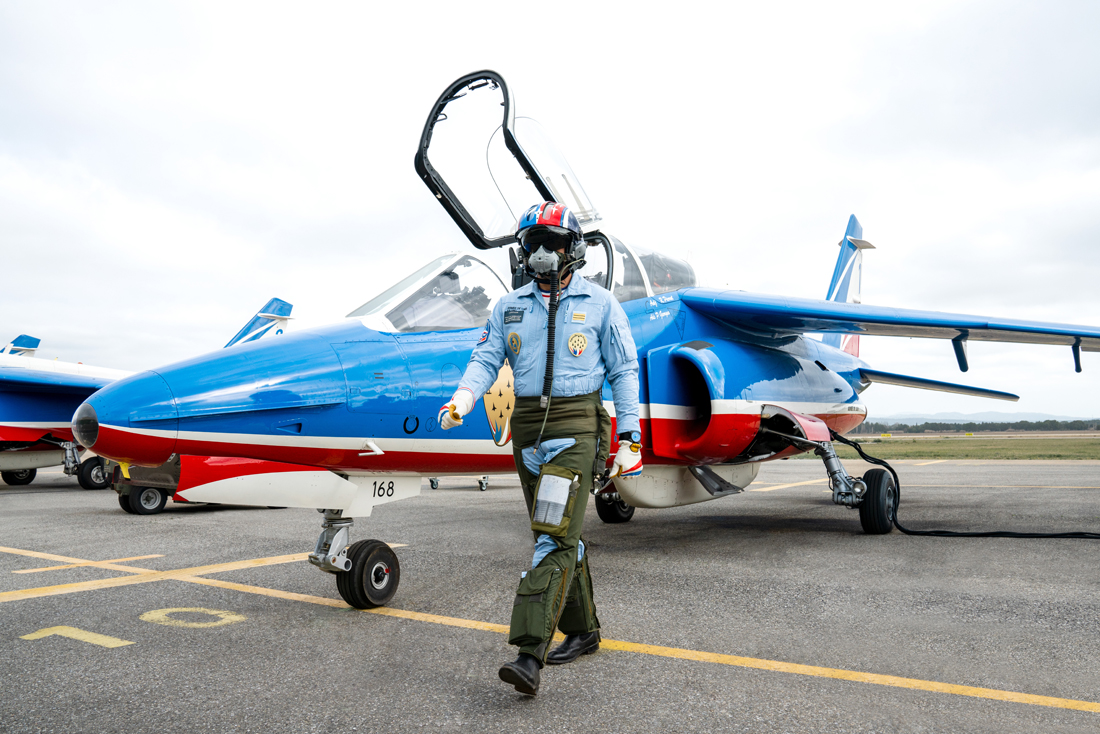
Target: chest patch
{"x": 513, "y": 315}
{"x": 577, "y": 344}
{"x": 514, "y": 343}
{"x": 578, "y": 317}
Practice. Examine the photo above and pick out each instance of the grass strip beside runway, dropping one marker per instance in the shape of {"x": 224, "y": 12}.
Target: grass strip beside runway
{"x": 970, "y": 447}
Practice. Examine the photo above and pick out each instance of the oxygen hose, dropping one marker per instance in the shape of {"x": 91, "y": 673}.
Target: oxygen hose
{"x": 551, "y": 342}
{"x": 945, "y": 533}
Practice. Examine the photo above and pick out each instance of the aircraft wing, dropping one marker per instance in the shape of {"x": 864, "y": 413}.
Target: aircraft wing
{"x": 26, "y": 380}
{"x": 779, "y": 315}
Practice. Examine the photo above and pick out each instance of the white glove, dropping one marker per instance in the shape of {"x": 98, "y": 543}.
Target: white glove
{"x": 450, "y": 415}
{"x": 628, "y": 461}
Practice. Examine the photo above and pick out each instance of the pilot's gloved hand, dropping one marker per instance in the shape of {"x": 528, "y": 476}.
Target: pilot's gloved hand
{"x": 628, "y": 461}
{"x": 450, "y": 415}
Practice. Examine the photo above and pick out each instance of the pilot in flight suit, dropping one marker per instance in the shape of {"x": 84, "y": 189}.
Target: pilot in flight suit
{"x": 560, "y": 431}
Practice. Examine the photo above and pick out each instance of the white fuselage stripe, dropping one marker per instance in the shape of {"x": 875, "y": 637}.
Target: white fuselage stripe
{"x": 481, "y": 446}
{"x": 662, "y": 411}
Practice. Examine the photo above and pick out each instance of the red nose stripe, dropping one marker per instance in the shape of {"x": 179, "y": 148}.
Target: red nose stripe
{"x": 134, "y": 448}
{"x": 198, "y": 470}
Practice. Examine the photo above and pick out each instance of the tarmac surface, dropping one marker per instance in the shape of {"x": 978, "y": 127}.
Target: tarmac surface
{"x": 768, "y": 611}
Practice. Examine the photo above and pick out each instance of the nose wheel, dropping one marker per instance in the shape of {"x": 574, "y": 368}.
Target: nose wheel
{"x": 373, "y": 577}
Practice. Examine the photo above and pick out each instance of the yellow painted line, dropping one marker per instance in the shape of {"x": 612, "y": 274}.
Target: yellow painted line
{"x": 51, "y": 557}
{"x": 146, "y": 577}
{"x": 852, "y": 675}
{"x": 92, "y": 638}
{"x": 777, "y": 666}
{"x": 929, "y": 463}
{"x": 191, "y": 575}
{"x": 163, "y": 616}
{"x": 337, "y": 603}
{"x": 792, "y": 484}
{"x": 85, "y": 563}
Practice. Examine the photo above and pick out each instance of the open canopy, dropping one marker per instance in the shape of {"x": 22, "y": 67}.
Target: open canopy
{"x": 486, "y": 166}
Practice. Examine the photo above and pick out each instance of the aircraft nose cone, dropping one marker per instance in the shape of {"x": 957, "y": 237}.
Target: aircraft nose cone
{"x": 86, "y": 425}
{"x": 134, "y": 420}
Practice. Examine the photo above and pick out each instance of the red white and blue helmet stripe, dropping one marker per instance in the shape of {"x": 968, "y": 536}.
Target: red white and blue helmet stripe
{"x": 552, "y": 215}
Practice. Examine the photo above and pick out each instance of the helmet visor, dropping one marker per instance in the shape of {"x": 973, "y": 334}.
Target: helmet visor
{"x": 552, "y": 238}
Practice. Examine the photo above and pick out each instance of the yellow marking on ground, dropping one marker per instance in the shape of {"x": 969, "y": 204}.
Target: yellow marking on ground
{"x": 792, "y": 484}
{"x": 292, "y": 596}
{"x": 696, "y": 655}
{"x": 191, "y": 575}
{"x": 161, "y": 616}
{"x": 85, "y": 563}
{"x": 929, "y": 463}
{"x": 145, "y": 577}
{"x": 93, "y": 638}
{"x": 51, "y": 557}
{"x": 852, "y": 675}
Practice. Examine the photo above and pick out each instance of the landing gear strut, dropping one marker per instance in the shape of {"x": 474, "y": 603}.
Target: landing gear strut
{"x": 875, "y": 493}
{"x": 367, "y": 572}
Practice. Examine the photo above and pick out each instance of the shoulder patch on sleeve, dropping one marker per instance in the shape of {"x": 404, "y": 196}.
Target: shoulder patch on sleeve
{"x": 484, "y": 334}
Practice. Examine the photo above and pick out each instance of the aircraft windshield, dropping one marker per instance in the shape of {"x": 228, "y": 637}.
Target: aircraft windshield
{"x": 665, "y": 273}
{"x": 628, "y": 284}
{"x": 438, "y": 297}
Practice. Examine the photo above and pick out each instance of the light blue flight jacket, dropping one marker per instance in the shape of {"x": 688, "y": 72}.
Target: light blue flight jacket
{"x": 593, "y": 343}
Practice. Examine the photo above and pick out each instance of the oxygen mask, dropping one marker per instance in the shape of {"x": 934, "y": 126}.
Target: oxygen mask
{"x": 544, "y": 262}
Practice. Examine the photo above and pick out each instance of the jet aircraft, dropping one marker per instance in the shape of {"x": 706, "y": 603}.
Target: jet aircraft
{"x": 343, "y": 417}
{"x": 38, "y": 398}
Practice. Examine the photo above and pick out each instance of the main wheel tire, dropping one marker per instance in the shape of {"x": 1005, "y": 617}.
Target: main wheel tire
{"x": 124, "y": 503}
{"x": 147, "y": 500}
{"x": 19, "y": 477}
{"x": 92, "y": 474}
{"x": 613, "y": 511}
{"x": 880, "y": 502}
{"x": 374, "y": 576}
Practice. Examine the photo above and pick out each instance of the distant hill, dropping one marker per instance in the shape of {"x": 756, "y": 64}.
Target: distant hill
{"x": 986, "y": 417}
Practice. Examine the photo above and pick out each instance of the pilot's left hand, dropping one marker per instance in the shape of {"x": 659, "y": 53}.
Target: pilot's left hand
{"x": 628, "y": 461}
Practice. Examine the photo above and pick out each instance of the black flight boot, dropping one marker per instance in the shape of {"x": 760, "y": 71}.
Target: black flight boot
{"x": 573, "y": 647}
{"x": 523, "y": 673}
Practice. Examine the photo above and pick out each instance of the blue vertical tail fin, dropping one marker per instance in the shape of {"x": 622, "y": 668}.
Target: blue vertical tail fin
{"x": 271, "y": 319}
{"x": 22, "y": 344}
{"x": 846, "y": 282}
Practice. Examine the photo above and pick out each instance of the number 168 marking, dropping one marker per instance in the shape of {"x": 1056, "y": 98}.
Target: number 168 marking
{"x": 383, "y": 489}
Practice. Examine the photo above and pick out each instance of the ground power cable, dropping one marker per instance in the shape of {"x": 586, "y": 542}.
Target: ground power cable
{"x": 946, "y": 533}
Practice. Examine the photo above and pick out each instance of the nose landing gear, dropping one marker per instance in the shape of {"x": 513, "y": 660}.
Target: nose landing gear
{"x": 367, "y": 572}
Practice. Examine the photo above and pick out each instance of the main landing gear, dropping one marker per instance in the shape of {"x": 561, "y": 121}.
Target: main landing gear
{"x": 875, "y": 493}
{"x": 367, "y": 572}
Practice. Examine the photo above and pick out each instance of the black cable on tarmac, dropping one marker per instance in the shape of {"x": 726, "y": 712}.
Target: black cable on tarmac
{"x": 947, "y": 533}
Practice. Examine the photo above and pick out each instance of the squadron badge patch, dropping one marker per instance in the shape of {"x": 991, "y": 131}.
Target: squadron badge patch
{"x": 577, "y": 344}
{"x": 514, "y": 343}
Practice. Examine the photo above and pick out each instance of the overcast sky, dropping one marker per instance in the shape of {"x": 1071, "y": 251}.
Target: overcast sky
{"x": 166, "y": 168}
